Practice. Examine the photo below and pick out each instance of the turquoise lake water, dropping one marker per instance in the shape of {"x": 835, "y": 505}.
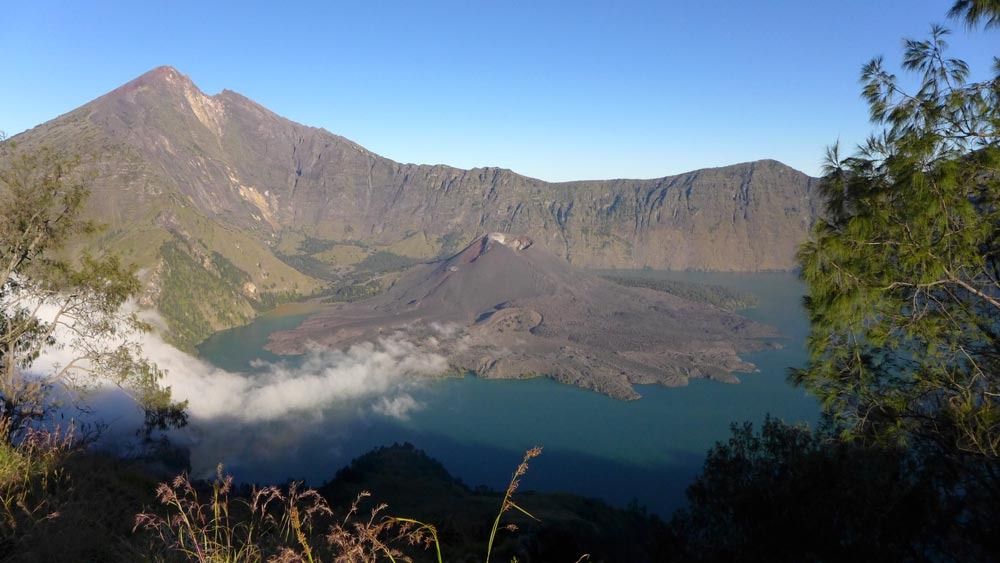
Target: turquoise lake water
{"x": 646, "y": 450}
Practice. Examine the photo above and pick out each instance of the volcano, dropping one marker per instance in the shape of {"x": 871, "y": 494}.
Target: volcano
{"x": 216, "y": 191}
{"x": 504, "y": 307}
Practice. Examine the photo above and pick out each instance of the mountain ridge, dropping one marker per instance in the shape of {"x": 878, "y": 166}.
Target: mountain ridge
{"x": 162, "y": 74}
{"x": 294, "y": 208}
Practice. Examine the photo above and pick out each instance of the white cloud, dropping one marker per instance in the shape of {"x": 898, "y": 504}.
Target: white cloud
{"x": 263, "y": 417}
{"x": 319, "y": 379}
{"x": 272, "y": 391}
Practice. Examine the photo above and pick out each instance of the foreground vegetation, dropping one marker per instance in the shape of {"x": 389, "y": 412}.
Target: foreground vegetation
{"x": 80, "y": 506}
{"x": 783, "y": 493}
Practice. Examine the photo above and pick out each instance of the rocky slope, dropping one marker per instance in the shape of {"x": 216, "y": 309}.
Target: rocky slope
{"x": 256, "y": 206}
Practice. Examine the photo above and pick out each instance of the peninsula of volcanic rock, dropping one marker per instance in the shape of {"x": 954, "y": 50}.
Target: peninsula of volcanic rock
{"x": 506, "y": 308}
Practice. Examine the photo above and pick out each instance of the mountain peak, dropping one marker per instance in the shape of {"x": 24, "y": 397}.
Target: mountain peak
{"x": 164, "y": 75}
{"x": 161, "y": 78}
{"x": 165, "y": 89}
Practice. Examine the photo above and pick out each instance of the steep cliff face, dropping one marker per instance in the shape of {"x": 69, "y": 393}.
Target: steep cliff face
{"x": 745, "y": 217}
{"x": 254, "y": 187}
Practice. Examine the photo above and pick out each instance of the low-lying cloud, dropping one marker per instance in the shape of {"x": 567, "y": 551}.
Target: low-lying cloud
{"x": 380, "y": 371}
{"x": 278, "y": 416}
{"x": 320, "y": 378}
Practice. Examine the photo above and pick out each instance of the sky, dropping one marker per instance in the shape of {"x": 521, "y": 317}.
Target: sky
{"x": 556, "y": 90}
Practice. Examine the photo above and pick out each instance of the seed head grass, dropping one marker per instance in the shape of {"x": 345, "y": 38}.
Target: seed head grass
{"x": 28, "y": 469}
{"x": 283, "y": 525}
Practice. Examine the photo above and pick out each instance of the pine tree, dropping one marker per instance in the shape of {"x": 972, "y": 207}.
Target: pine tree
{"x": 904, "y": 270}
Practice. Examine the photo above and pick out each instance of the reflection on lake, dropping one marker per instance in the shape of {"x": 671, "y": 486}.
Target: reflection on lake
{"x": 646, "y": 450}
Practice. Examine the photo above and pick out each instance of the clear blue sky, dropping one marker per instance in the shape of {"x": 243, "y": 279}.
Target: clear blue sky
{"x": 556, "y": 90}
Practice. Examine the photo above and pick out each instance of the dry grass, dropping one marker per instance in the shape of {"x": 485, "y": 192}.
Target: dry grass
{"x": 508, "y": 501}
{"x": 59, "y": 502}
{"x": 274, "y": 525}
{"x": 283, "y": 525}
{"x": 28, "y": 469}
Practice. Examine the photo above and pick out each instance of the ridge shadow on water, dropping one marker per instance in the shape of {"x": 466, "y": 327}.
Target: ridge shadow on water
{"x": 654, "y": 487}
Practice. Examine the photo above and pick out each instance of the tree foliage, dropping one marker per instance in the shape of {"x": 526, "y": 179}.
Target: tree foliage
{"x": 903, "y": 276}
{"x": 975, "y": 11}
{"x": 73, "y": 310}
{"x": 903, "y": 272}
{"x": 785, "y": 493}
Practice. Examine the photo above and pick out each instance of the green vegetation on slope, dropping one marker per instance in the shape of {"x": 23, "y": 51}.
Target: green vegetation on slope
{"x": 354, "y": 291}
{"x": 196, "y": 303}
{"x": 355, "y": 271}
{"x": 344, "y": 262}
{"x": 731, "y": 299}
{"x": 229, "y": 273}
{"x": 309, "y": 265}
{"x": 451, "y": 243}
{"x": 385, "y": 261}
